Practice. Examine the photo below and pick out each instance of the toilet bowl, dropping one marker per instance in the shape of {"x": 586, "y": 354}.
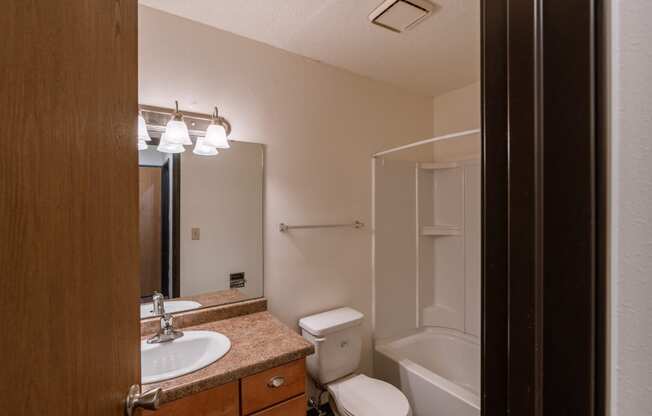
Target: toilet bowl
{"x": 337, "y": 338}
{"x": 365, "y": 396}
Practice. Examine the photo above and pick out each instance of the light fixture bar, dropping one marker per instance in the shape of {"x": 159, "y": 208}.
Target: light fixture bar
{"x": 189, "y": 115}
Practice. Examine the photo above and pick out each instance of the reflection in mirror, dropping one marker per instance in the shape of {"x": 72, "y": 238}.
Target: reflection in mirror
{"x": 201, "y": 227}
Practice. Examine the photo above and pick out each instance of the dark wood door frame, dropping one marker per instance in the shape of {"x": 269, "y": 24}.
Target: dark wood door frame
{"x": 543, "y": 208}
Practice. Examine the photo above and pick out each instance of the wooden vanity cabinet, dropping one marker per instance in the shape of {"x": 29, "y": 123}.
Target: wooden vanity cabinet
{"x": 292, "y": 407}
{"x": 279, "y": 391}
{"x": 220, "y": 401}
{"x": 267, "y": 388}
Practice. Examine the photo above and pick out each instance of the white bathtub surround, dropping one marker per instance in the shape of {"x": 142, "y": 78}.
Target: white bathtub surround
{"x": 426, "y": 246}
{"x": 427, "y": 226}
{"x": 437, "y": 369}
{"x": 450, "y": 246}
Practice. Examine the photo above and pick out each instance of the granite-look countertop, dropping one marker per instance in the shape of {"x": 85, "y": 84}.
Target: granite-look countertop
{"x": 258, "y": 342}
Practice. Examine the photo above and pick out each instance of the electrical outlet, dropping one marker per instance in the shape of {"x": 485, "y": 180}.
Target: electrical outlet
{"x": 195, "y": 233}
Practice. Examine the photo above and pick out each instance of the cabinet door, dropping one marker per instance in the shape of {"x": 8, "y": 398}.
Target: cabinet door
{"x": 220, "y": 401}
{"x": 273, "y": 386}
{"x": 293, "y": 407}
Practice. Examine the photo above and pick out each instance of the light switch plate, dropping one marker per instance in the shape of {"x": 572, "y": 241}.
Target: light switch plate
{"x": 195, "y": 233}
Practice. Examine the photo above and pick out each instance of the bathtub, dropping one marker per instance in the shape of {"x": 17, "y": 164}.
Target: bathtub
{"x": 437, "y": 369}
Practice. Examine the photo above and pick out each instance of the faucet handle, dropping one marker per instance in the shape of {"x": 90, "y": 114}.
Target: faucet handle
{"x": 166, "y": 321}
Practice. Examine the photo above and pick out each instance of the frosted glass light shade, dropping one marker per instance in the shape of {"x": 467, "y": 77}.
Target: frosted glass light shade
{"x": 142, "y": 145}
{"x": 176, "y": 132}
{"x": 166, "y": 147}
{"x": 202, "y": 149}
{"x": 143, "y": 135}
{"x": 216, "y": 137}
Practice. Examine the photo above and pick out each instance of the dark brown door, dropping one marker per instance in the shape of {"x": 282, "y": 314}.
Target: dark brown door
{"x": 68, "y": 207}
{"x": 543, "y": 209}
{"x": 150, "y": 229}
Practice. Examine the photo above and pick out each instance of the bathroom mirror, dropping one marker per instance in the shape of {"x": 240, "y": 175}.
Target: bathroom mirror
{"x": 201, "y": 227}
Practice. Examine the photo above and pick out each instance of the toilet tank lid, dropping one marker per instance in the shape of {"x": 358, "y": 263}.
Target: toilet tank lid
{"x": 331, "y": 321}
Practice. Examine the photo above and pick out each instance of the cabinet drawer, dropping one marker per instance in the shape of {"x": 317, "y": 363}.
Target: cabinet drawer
{"x": 220, "y": 401}
{"x": 273, "y": 386}
{"x": 293, "y": 407}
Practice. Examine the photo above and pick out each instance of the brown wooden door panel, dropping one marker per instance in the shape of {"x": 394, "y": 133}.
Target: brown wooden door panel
{"x": 220, "y": 401}
{"x": 68, "y": 207}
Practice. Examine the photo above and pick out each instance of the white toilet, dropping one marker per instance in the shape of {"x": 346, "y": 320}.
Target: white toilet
{"x": 337, "y": 338}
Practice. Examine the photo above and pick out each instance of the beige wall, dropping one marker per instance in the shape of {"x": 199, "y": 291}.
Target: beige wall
{"x": 456, "y": 111}
{"x": 631, "y": 207}
{"x": 320, "y": 126}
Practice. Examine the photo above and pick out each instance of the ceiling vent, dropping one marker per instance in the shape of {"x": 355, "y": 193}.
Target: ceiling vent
{"x": 401, "y": 15}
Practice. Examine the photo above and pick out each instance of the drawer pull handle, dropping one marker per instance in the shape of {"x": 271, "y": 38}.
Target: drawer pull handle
{"x": 276, "y": 382}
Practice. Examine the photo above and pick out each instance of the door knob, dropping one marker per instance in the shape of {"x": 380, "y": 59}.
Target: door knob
{"x": 150, "y": 400}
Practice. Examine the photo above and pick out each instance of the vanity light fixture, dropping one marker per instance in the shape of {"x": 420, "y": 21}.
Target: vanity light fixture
{"x": 143, "y": 135}
{"x": 208, "y": 132}
{"x": 176, "y": 131}
{"x": 215, "y": 133}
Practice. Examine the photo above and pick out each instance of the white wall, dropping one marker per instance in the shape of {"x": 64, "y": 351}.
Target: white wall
{"x": 631, "y": 207}
{"x": 456, "y": 111}
{"x": 320, "y": 126}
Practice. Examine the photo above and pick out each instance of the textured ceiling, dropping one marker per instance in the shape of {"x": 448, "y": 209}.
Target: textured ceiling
{"x": 440, "y": 54}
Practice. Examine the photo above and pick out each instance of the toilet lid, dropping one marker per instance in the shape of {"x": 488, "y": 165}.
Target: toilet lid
{"x": 365, "y": 396}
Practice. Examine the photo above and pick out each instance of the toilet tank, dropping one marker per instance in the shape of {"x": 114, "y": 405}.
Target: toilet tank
{"x": 337, "y": 337}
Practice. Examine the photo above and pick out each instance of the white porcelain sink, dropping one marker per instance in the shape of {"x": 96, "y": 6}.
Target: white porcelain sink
{"x": 194, "y": 350}
{"x": 171, "y": 306}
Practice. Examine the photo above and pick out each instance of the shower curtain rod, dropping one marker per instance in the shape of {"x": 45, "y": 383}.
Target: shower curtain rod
{"x": 434, "y": 139}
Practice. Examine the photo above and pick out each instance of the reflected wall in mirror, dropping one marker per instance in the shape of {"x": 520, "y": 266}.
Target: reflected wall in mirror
{"x": 201, "y": 227}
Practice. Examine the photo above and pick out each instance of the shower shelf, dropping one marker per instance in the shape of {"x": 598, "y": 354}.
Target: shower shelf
{"x": 441, "y": 230}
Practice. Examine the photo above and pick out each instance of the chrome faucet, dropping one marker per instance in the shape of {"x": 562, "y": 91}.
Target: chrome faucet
{"x": 167, "y": 332}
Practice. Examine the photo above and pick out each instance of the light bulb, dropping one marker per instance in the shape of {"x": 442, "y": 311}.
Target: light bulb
{"x": 143, "y": 135}
{"x": 202, "y": 149}
{"x": 216, "y": 136}
{"x": 177, "y": 132}
{"x": 166, "y": 147}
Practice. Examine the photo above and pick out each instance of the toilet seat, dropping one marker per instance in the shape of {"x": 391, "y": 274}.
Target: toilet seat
{"x": 365, "y": 396}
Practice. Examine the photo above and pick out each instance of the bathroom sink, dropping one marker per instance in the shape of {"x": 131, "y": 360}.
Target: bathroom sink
{"x": 171, "y": 306}
{"x": 193, "y": 351}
